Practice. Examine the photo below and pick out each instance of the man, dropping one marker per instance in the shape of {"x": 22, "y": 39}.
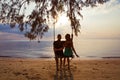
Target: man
{"x": 58, "y": 50}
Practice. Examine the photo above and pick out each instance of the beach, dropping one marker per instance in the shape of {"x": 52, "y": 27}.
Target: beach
{"x": 45, "y": 69}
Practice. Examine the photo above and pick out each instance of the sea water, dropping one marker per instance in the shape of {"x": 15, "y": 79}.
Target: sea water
{"x": 44, "y": 49}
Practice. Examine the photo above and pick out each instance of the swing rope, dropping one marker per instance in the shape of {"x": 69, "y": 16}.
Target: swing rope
{"x": 54, "y": 31}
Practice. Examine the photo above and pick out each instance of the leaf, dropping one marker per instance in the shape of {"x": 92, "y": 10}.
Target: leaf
{"x": 80, "y": 14}
{"x": 45, "y": 12}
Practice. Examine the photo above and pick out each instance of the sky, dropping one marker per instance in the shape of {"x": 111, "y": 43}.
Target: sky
{"x": 102, "y": 21}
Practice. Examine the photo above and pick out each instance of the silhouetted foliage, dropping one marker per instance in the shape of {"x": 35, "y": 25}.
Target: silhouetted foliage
{"x": 45, "y": 10}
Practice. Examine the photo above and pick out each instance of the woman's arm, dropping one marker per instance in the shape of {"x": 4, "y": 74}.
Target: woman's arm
{"x": 74, "y": 50}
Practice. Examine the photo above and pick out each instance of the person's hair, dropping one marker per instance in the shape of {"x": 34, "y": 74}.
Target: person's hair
{"x": 67, "y": 36}
{"x": 59, "y": 35}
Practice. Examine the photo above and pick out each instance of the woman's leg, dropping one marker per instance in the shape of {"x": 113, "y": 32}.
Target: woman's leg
{"x": 64, "y": 62}
{"x": 68, "y": 63}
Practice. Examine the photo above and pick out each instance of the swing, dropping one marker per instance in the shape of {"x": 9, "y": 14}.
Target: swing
{"x": 68, "y": 50}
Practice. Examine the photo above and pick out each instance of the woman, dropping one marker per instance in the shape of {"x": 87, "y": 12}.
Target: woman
{"x": 68, "y": 49}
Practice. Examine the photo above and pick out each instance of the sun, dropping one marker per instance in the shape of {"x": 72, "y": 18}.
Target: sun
{"x": 62, "y": 20}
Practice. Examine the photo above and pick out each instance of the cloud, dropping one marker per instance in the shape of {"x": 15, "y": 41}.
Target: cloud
{"x": 106, "y": 8}
{"x": 8, "y": 33}
{"x": 8, "y": 29}
{"x": 109, "y": 6}
{"x": 11, "y": 36}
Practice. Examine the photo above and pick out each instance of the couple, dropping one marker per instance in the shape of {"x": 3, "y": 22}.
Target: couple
{"x": 68, "y": 48}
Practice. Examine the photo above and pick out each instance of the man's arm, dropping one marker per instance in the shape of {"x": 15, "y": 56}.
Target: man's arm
{"x": 57, "y": 49}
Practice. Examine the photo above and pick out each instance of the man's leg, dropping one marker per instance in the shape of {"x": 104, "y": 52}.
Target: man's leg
{"x": 61, "y": 63}
{"x": 56, "y": 59}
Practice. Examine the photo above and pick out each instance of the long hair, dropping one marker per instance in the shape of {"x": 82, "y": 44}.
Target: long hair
{"x": 67, "y": 37}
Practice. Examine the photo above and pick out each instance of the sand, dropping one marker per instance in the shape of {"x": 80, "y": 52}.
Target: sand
{"x": 44, "y": 69}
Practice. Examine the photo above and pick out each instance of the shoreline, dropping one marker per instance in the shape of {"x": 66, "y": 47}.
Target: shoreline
{"x": 83, "y": 58}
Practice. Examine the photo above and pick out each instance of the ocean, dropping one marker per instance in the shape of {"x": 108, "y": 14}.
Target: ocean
{"x": 91, "y": 48}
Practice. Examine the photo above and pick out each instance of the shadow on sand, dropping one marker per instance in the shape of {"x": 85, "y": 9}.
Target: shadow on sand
{"x": 63, "y": 75}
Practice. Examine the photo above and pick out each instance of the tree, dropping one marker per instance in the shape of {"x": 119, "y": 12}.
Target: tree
{"x": 12, "y": 13}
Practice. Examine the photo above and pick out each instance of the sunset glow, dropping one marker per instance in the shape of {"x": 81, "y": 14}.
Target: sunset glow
{"x": 98, "y": 22}
{"x": 62, "y": 20}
